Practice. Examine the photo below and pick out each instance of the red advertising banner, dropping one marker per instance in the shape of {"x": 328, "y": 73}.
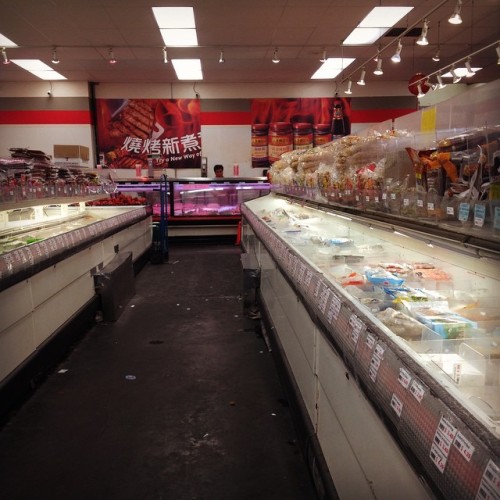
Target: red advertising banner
{"x": 168, "y": 131}
{"x": 281, "y": 125}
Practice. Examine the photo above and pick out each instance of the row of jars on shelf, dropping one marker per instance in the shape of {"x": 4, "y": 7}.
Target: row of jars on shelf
{"x": 25, "y": 192}
{"x": 466, "y": 212}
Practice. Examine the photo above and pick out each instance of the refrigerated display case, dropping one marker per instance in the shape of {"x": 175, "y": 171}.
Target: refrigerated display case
{"x": 51, "y": 249}
{"x": 200, "y": 206}
{"x": 391, "y": 337}
{"x": 379, "y": 257}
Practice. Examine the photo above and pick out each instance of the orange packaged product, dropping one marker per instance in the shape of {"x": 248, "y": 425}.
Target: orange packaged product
{"x": 353, "y": 279}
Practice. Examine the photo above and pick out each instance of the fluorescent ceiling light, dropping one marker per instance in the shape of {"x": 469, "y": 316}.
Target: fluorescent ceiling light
{"x": 174, "y": 17}
{"x": 461, "y": 72}
{"x": 331, "y": 67}
{"x": 179, "y": 37}
{"x": 5, "y": 42}
{"x": 177, "y": 26}
{"x": 364, "y": 36}
{"x": 378, "y": 21}
{"x": 39, "y": 69}
{"x": 188, "y": 69}
{"x": 384, "y": 17}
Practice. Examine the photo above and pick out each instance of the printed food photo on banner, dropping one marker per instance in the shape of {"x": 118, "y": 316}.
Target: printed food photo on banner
{"x": 282, "y": 125}
{"x": 129, "y": 131}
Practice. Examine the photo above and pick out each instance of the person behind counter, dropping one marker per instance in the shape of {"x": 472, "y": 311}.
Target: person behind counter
{"x": 219, "y": 170}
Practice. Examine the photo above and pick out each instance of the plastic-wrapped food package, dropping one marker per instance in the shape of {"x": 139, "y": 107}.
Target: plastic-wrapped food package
{"x": 401, "y": 324}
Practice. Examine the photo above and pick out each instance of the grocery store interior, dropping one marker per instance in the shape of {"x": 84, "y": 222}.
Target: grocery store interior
{"x": 271, "y": 332}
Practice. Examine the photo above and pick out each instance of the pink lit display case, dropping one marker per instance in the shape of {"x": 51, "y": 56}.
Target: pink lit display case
{"x": 202, "y": 198}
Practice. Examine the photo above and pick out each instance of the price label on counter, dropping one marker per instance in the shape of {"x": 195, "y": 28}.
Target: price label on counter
{"x": 370, "y": 341}
{"x": 376, "y": 361}
{"x": 489, "y": 489}
{"x": 406, "y": 202}
{"x": 479, "y": 214}
{"x": 334, "y": 309}
{"x": 441, "y": 443}
{"x": 302, "y": 271}
{"x": 464, "y": 446}
{"x": 430, "y": 207}
{"x": 393, "y": 196}
{"x": 357, "y": 327}
{"x": 438, "y": 458}
{"x": 318, "y": 288}
{"x": 404, "y": 377}
{"x": 463, "y": 212}
{"x": 417, "y": 390}
{"x": 496, "y": 218}
{"x": 396, "y": 405}
{"x": 450, "y": 211}
{"x": 308, "y": 277}
{"x": 323, "y": 299}
{"x": 447, "y": 429}
{"x": 420, "y": 203}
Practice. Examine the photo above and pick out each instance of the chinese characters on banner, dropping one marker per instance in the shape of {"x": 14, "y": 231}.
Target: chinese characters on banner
{"x": 282, "y": 125}
{"x": 128, "y": 130}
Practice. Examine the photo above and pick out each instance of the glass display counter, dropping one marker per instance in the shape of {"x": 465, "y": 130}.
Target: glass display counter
{"x": 379, "y": 310}
{"x": 200, "y": 206}
{"x": 50, "y": 252}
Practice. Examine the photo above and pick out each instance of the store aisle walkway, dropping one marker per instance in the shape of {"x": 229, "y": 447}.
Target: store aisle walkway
{"x": 178, "y": 399}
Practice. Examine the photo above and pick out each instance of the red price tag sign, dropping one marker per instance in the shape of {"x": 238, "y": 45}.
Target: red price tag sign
{"x": 438, "y": 458}
{"x": 464, "y": 446}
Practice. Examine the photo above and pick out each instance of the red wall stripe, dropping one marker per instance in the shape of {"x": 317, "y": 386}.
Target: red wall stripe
{"x": 377, "y": 115}
{"x": 45, "y": 117}
{"x": 226, "y": 118}
{"x": 83, "y": 117}
{"x": 357, "y": 116}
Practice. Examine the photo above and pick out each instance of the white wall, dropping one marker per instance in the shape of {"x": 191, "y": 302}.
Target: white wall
{"x": 220, "y": 144}
{"x": 44, "y": 137}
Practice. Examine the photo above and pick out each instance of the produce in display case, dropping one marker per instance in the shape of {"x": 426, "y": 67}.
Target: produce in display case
{"x": 432, "y": 309}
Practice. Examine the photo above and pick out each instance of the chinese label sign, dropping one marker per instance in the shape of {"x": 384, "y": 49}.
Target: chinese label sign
{"x": 166, "y": 130}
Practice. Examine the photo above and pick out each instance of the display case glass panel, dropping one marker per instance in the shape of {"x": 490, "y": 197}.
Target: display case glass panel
{"x": 441, "y": 305}
{"x": 208, "y": 199}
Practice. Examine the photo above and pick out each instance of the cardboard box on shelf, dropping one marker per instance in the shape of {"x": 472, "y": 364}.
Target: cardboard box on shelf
{"x": 71, "y": 151}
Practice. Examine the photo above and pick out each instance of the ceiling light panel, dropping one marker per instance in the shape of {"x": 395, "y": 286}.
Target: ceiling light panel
{"x": 179, "y": 37}
{"x": 188, "y": 69}
{"x": 384, "y": 17}
{"x": 364, "y": 36}
{"x": 39, "y": 69}
{"x": 332, "y": 67}
{"x": 378, "y": 21}
{"x": 177, "y": 26}
{"x": 5, "y": 42}
{"x": 174, "y": 17}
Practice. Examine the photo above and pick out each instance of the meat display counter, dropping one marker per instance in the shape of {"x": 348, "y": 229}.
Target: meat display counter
{"x": 390, "y": 337}
{"x": 200, "y": 206}
{"x": 50, "y": 252}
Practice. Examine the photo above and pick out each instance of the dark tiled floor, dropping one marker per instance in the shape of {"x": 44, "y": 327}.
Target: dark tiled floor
{"x": 202, "y": 418}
